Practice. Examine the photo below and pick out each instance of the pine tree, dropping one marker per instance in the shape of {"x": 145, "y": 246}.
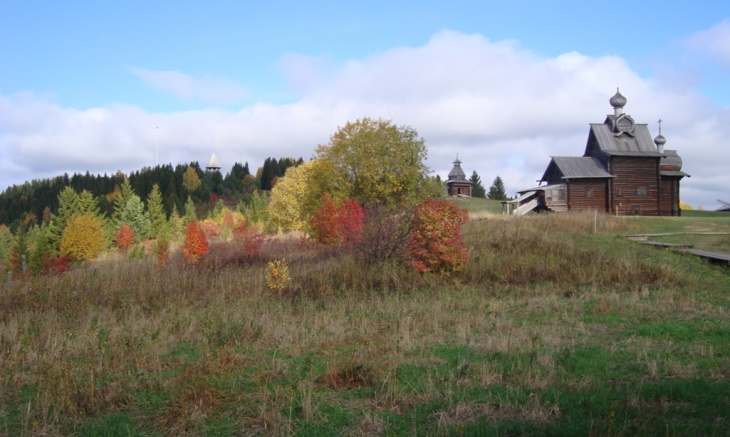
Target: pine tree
{"x": 496, "y": 191}
{"x": 20, "y": 250}
{"x": 190, "y": 213}
{"x": 41, "y": 251}
{"x": 158, "y": 218}
{"x": 120, "y": 203}
{"x": 135, "y": 215}
{"x": 68, "y": 206}
{"x": 6, "y": 238}
{"x": 88, "y": 205}
{"x": 477, "y": 189}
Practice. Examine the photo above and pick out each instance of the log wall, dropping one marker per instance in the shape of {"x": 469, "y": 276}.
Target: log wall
{"x": 635, "y": 188}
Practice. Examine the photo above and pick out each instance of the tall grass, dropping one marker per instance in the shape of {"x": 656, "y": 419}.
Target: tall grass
{"x": 549, "y": 309}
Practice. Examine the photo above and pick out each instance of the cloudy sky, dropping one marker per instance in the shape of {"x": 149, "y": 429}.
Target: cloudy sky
{"x": 105, "y": 86}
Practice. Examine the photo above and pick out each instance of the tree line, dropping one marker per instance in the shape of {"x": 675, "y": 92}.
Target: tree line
{"x": 496, "y": 190}
{"x": 33, "y": 202}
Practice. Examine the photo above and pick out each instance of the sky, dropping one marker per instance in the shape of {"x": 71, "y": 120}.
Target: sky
{"x": 116, "y": 86}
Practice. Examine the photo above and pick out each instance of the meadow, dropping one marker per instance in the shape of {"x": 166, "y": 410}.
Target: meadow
{"x": 558, "y": 326}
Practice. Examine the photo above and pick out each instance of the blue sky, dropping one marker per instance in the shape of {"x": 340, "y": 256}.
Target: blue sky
{"x": 91, "y": 86}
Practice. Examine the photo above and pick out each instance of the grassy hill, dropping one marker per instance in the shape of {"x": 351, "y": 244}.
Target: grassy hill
{"x": 558, "y": 326}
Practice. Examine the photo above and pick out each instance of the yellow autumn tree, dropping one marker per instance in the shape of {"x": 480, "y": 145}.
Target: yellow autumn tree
{"x": 191, "y": 180}
{"x": 377, "y": 162}
{"x": 83, "y": 238}
{"x": 296, "y": 195}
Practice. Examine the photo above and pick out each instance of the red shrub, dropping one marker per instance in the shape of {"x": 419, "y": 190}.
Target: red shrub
{"x": 435, "y": 242}
{"x": 324, "y": 222}
{"x": 57, "y": 265}
{"x": 333, "y": 225}
{"x": 195, "y": 245}
{"x": 351, "y": 219}
{"x": 249, "y": 237}
{"x": 125, "y": 237}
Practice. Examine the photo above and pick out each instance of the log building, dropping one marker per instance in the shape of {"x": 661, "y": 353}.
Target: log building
{"x": 622, "y": 171}
{"x": 457, "y": 184}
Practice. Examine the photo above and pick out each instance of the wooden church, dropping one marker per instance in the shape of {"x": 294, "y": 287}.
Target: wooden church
{"x": 622, "y": 171}
{"x": 457, "y": 184}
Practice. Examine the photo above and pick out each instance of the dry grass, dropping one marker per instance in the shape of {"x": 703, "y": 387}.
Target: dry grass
{"x": 181, "y": 346}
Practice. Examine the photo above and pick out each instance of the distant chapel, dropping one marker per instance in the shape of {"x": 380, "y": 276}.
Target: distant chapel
{"x": 457, "y": 184}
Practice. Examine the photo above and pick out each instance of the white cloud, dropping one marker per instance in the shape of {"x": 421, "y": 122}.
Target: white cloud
{"x": 185, "y": 87}
{"x": 502, "y": 108}
{"x": 714, "y": 42}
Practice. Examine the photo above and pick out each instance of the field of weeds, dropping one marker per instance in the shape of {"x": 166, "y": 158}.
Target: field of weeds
{"x": 558, "y": 326}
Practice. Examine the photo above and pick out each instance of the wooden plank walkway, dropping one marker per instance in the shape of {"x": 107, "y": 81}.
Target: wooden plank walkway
{"x": 723, "y": 258}
{"x": 643, "y": 236}
{"x": 660, "y": 244}
{"x": 713, "y": 256}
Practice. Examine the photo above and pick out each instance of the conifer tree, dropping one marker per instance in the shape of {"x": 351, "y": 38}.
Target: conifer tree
{"x": 477, "y": 189}
{"x": 135, "y": 215}
{"x": 190, "y": 214}
{"x": 496, "y": 191}
{"x": 41, "y": 251}
{"x": 68, "y": 206}
{"x": 158, "y": 218}
{"x": 87, "y": 204}
{"x": 19, "y": 250}
{"x": 120, "y": 202}
{"x": 6, "y": 238}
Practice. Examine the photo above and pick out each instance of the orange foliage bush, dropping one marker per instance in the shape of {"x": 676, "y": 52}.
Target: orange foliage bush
{"x": 162, "y": 252}
{"x": 125, "y": 237}
{"x": 195, "y": 245}
{"x": 324, "y": 222}
{"x": 334, "y": 225}
{"x": 435, "y": 243}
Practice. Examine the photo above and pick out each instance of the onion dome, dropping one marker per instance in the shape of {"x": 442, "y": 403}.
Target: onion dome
{"x": 618, "y": 100}
{"x": 660, "y": 140}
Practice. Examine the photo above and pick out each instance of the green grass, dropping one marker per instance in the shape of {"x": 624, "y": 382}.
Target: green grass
{"x": 477, "y": 206}
{"x": 558, "y": 326}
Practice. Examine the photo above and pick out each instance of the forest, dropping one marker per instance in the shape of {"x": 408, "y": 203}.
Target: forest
{"x": 31, "y": 202}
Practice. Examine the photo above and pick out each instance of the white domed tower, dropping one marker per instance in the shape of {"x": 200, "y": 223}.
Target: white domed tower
{"x": 213, "y": 164}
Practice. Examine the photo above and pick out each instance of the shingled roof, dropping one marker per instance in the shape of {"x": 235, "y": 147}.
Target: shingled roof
{"x": 638, "y": 143}
{"x": 574, "y": 167}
